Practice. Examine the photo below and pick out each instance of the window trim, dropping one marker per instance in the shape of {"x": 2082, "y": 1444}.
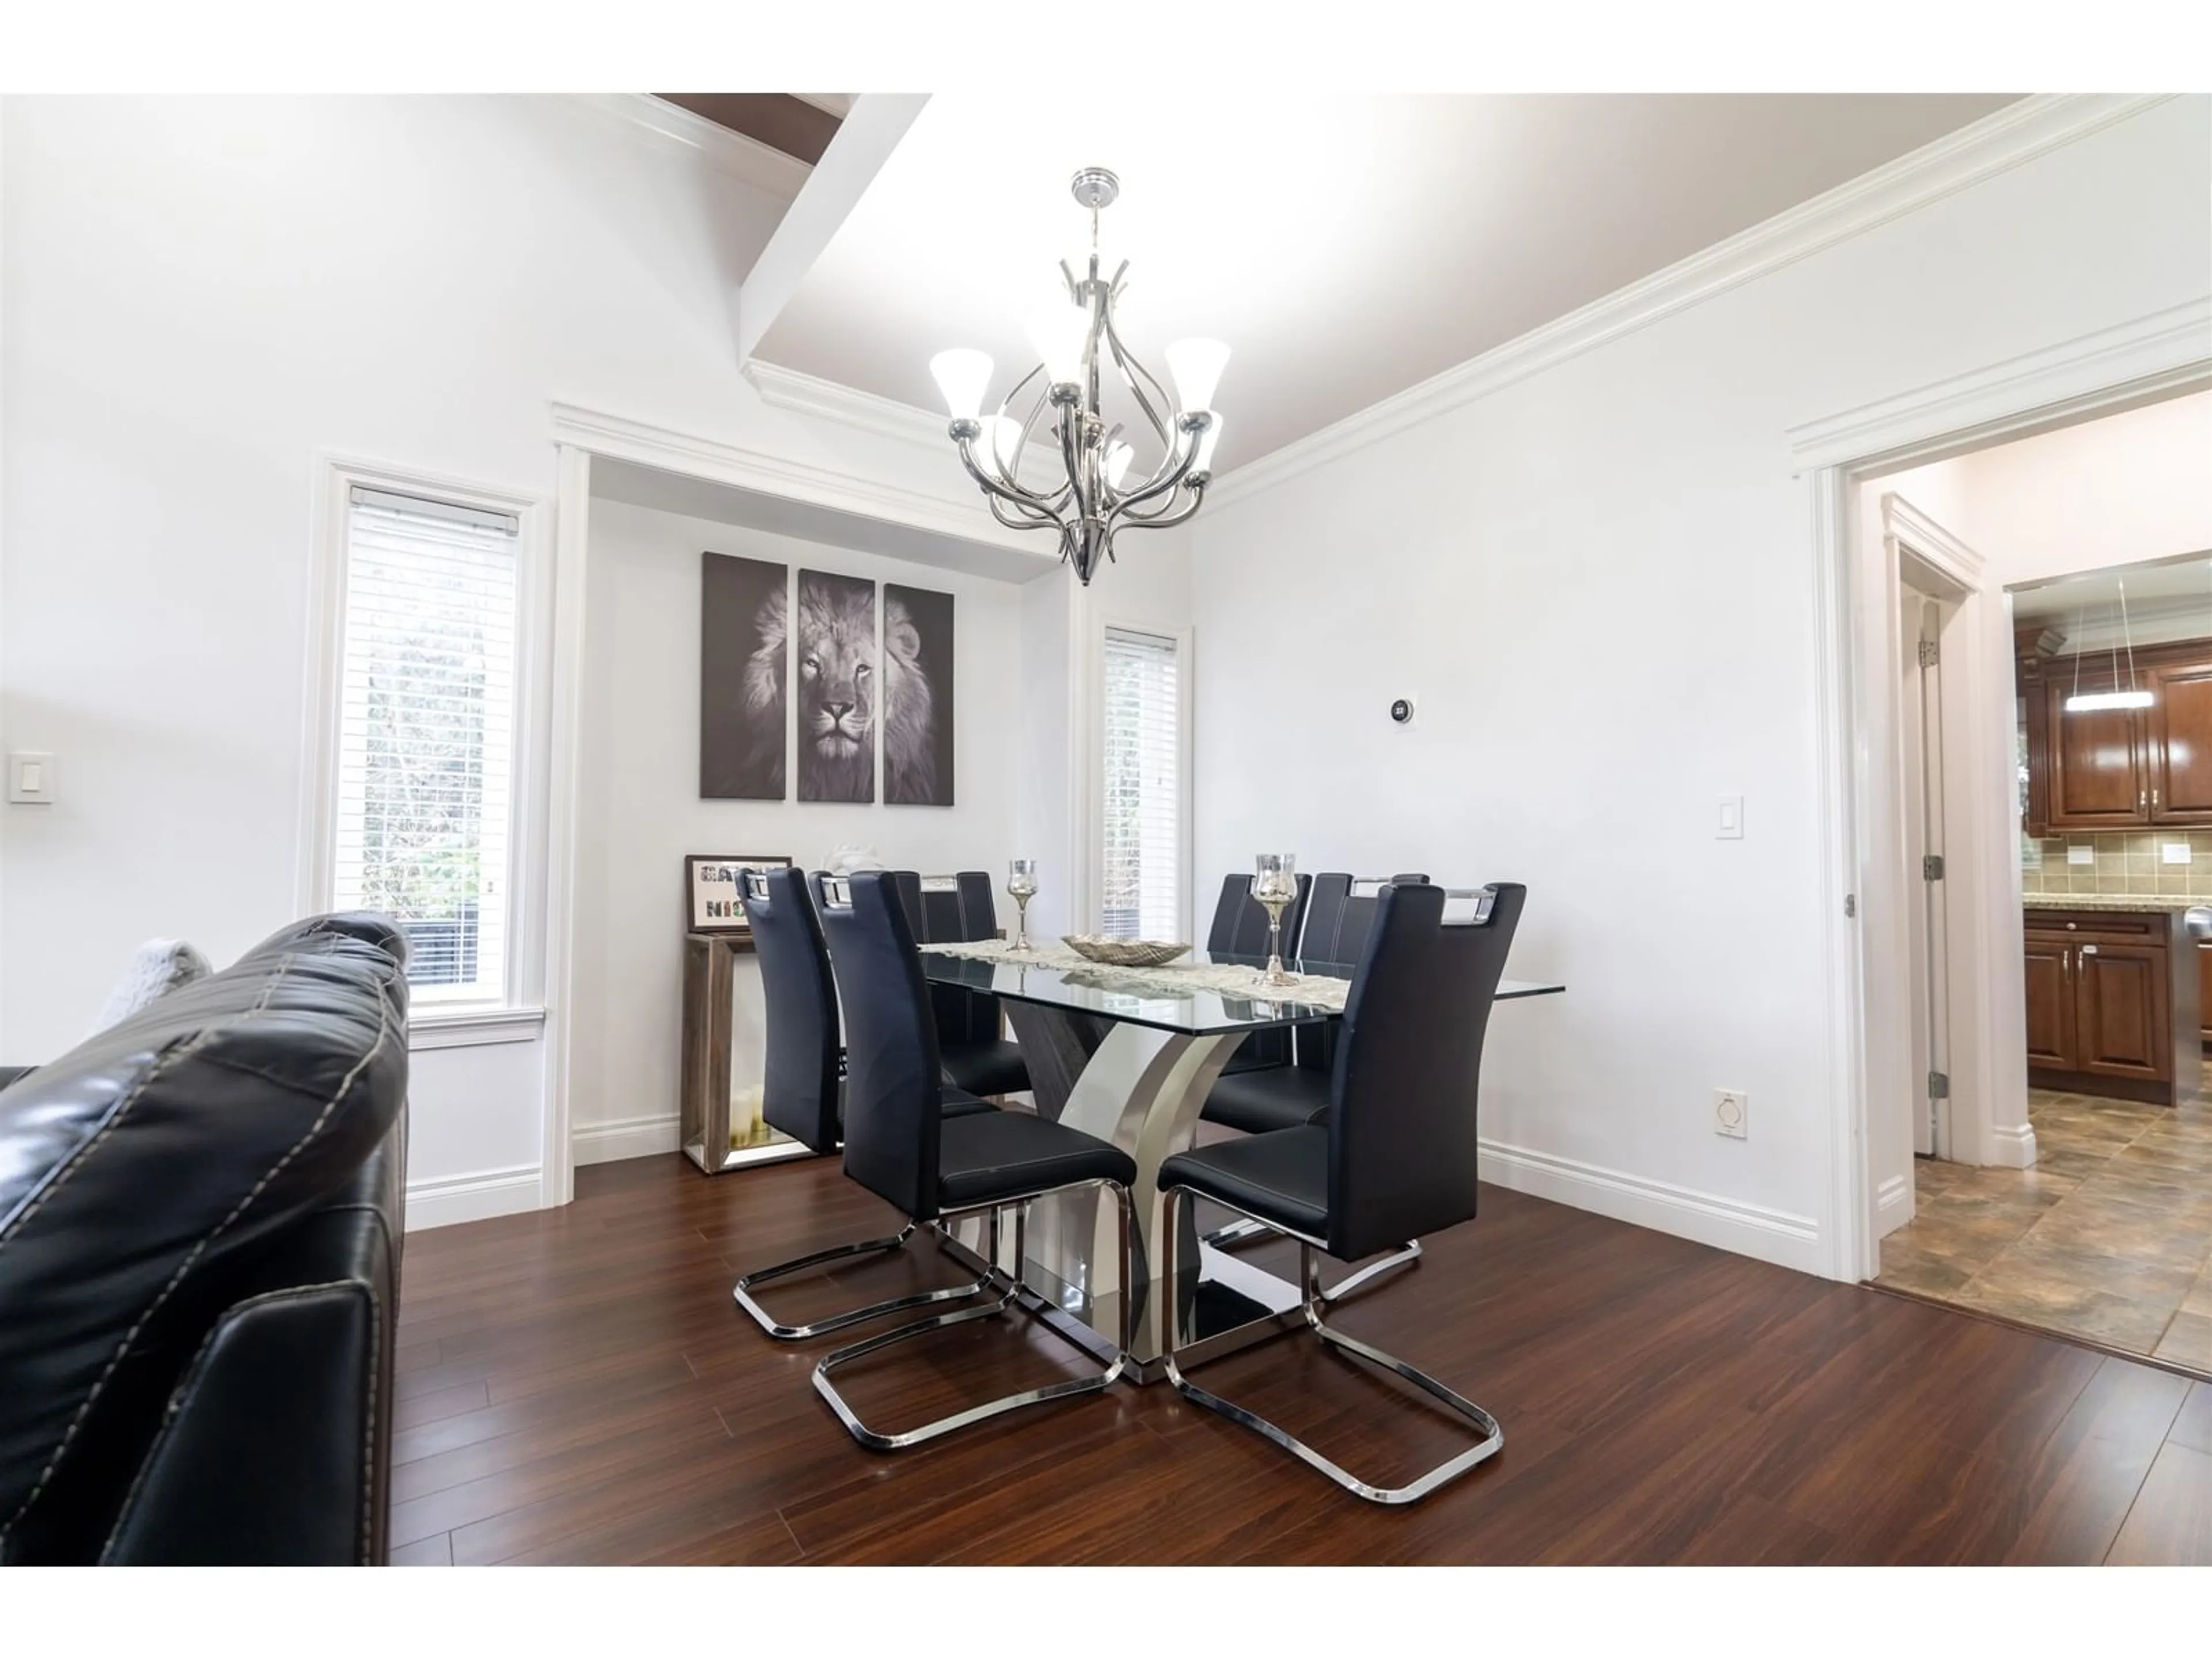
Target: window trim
{"x": 521, "y": 1000}
{"x": 1093, "y": 776}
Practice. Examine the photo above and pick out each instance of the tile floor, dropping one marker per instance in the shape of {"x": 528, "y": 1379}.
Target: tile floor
{"x": 2109, "y": 1237}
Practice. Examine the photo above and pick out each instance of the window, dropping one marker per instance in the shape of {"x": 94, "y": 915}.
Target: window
{"x": 426, "y": 734}
{"x": 1140, "y": 895}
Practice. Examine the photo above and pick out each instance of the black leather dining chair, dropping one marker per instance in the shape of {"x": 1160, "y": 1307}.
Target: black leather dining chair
{"x": 1240, "y": 929}
{"x": 953, "y": 909}
{"x": 933, "y": 1167}
{"x": 802, "y": 1094}
{"x": 1396, "y": 1158}
{"x": 1337, "y": 919}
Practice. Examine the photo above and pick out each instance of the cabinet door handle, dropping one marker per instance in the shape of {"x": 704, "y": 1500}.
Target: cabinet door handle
{"x": 2088, "y": 950}
{"x": 2141, "y": 800}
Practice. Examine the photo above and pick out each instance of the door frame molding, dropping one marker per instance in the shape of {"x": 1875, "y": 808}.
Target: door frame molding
{"x": 1984, "y": 989}
{"x": 2145, "y": 359}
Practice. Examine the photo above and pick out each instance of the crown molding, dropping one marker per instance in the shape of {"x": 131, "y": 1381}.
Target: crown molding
{"x": 830, "y": 400}
{"x": 2016, "y": 134}
{"x": 810, "y": 394}
{"x": 668, "y": 126}
{"x": 2130, "y": 362}
{"x": 621, "y": 438}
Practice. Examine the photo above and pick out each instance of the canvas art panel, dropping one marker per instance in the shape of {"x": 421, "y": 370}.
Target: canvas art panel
{"x": 743, "y": 663}
{"x": 834, "y": 706}
{"x": 917, "y": 696}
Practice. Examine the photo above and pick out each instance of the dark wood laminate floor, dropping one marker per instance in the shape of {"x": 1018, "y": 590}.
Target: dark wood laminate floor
{"x": 575, "y": 1386}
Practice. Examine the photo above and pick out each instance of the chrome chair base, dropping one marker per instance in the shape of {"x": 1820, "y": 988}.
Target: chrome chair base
{"x": 1244, "y": 1228}
{"x": 878, "y": 1440}
{"x": 1493, "y": 1438}
{"x": 744, "y": 1288}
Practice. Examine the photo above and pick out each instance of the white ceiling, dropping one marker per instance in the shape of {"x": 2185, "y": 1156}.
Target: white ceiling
{"x": 1346, "y": 246}
{"x": 2079, "y": 603}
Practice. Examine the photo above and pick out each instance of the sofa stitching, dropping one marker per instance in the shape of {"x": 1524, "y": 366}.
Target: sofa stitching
{"x": 345, "y": 1084}
{"x": 183, "y": 1051}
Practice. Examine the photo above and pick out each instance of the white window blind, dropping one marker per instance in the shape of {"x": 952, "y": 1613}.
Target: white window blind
{"x": 426, "y": 735}
{"x": 1140, "y": 895}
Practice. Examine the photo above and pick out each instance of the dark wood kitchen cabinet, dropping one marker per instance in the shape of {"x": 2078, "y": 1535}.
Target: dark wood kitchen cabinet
{"x": 2178, "y": 724}
{"x": 2049, "y": 1002}
{"x": 2119, "y": 769}
{"x": 2115, "y": 1004}
{"x": 2096, "y": 763}
{"x": 2204, "y": 987}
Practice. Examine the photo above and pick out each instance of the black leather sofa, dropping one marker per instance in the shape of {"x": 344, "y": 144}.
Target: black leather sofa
{"x": 200, "y": 1217}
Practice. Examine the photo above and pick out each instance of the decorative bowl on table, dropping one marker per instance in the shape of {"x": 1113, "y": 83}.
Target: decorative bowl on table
{"x": 1122, "y": 952}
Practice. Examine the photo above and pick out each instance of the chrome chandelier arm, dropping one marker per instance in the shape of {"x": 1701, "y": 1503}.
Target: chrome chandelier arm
{"x": 1132, "y": 368}
{"x": 1004, "y": 488}
{"x": 1017, "y": 516}
{"x": 1168, "y": 515}
{"x": 1184, "y": 457}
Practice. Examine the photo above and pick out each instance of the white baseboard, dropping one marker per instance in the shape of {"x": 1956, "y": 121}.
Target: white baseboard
{"x": 445, "y": 1200}
{"x": 626, "y": 1137}
{"x": 1893, "y": 1205}
{"x": 2012, "y": 1147}
{"x": 1787, "y": 1241}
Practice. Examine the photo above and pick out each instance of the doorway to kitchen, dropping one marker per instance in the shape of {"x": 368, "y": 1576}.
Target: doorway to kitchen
{"x": 2093, "y": 1219}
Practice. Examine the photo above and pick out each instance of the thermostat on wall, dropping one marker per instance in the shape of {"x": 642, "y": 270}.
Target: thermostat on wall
{"x": 1401, "y": 711}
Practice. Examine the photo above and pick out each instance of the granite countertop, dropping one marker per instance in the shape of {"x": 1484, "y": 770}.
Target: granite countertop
{"x": 2138, "y": 902}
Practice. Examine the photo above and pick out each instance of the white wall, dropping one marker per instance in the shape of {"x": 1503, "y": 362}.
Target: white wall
{"x": 2133, "y": 486}
{"x": 1599, "y": 582}
{"x": 641, "y": 811}
{"x": 197, "y": 296}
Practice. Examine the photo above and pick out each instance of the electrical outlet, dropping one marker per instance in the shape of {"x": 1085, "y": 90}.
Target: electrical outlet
{"x": 2174, "y": 851}
{"x": 1731, "y": 1112}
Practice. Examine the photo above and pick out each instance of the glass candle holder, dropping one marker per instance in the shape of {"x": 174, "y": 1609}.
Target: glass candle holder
{"x": 1274, "y": 886}
{"x": 1021, "y": 887}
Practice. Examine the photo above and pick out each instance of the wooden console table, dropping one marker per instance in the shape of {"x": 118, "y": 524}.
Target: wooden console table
{"x": 717, "y": 1130}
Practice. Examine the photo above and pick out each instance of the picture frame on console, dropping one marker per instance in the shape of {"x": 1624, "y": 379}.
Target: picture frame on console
{"x": 713, "y": 889}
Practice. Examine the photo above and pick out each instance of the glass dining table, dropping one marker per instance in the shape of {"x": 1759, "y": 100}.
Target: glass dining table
{"x": 1131, "y": 1059}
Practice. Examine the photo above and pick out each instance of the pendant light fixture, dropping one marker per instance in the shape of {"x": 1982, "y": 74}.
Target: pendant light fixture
{"x": 2083, "y": 702}
{"x": 1093, "y": 496}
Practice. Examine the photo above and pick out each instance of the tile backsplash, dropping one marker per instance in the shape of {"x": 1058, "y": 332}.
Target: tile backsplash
{"x": 2126, "y": 862}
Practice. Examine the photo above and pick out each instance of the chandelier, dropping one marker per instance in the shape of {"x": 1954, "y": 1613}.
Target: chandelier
{"x": 1076, "y": 341}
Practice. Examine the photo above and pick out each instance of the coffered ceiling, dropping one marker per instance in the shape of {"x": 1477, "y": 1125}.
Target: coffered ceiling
{"x": 1346, "y": 247}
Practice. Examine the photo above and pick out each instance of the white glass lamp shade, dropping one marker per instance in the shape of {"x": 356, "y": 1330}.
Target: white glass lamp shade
{"x": 1207, "y": 440}
{"x": 962, "y": 376}
{"x": 1196, "y": 366}
{"x": 1118, "y": 457}
{"x": 1000, "y": 444}
{"x": 1058, "y": 334}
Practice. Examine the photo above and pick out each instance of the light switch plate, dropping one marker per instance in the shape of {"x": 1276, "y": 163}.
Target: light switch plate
{"x": 1730, "y": 825}
{"x": 2080, "y": 855}
{"x": 2173, "y": 852}
{"x": 30, "y": 778}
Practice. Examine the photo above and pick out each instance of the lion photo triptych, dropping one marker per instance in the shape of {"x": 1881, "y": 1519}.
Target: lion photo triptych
{"x": 850, "y": 686}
